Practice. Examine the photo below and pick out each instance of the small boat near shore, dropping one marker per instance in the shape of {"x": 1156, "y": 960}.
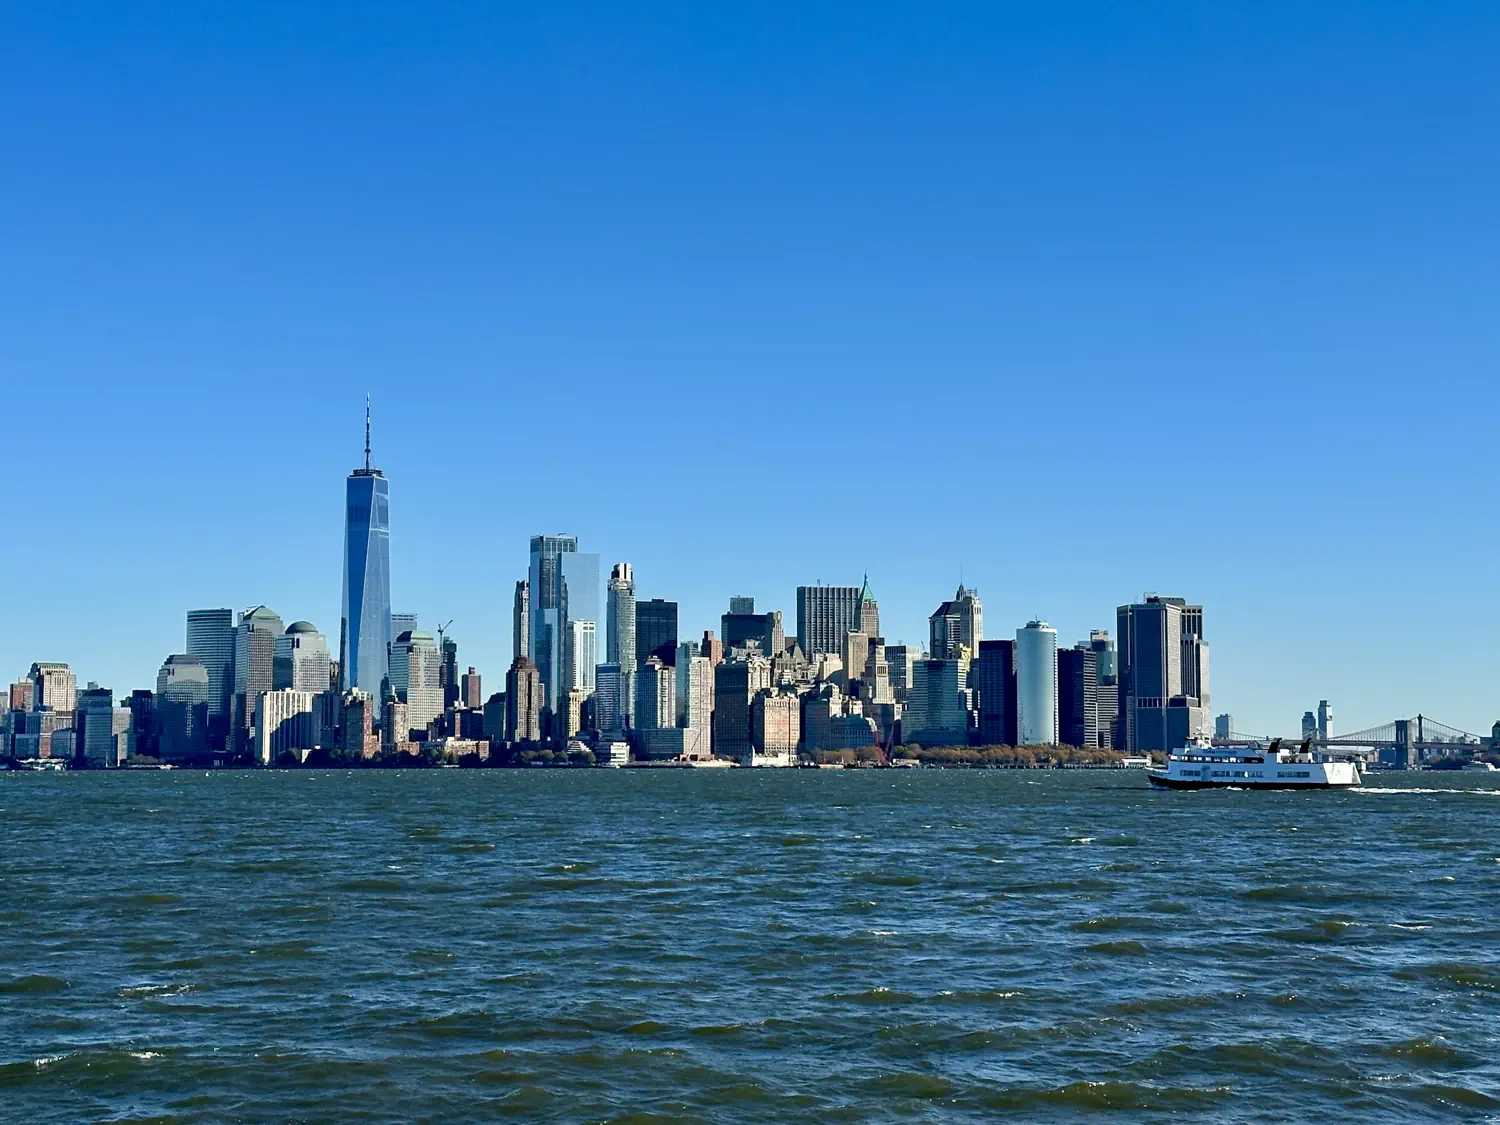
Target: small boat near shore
{"x": 1201, "y": 765}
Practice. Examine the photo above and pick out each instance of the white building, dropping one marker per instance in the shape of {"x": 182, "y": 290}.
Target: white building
{"x": 301, "y": 661}
{"x": 1036, "y": 684}
{"x": 284, "y": 721}
{"x": 415, "y": 678}
{"x": 583, "y": 656}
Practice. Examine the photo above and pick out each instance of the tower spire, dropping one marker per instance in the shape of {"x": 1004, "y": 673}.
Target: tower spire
{"x": 367, "y": 431}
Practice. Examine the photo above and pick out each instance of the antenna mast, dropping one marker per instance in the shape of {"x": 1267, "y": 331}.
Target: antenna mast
{"x": 367, "y": 431}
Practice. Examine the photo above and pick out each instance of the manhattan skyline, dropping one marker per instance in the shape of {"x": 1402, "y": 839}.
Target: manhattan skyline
{"x": 1067, "y": 310}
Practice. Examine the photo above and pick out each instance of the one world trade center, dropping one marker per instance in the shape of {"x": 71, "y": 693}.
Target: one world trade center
{"x": 365, "y": 633}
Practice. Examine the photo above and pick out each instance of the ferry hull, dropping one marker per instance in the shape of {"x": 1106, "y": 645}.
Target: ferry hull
{"x": 1161, "y": 781}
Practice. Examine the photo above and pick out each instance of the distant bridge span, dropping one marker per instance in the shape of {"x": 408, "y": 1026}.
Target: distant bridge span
{"x": 1419, "y": 734}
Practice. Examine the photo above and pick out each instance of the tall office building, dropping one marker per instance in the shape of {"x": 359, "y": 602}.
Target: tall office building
{"x": 521, "y": 621}
{"x": 743, "y": 628}
{"x": 619, "y": 633}
{"x": 523, "y": 702}
{"x": 23, "y": 695}
{"x": 583, "y": 656}
{"x": 609, "y": 701}
{"x": 1036, "y": 684}
{"x": 936, "y": 707}
{"x": 695, "y": 691}
{"x": 1224, "y": 726}
{"x": 1309, "y": 725}
{"x": 1111, "y": 728}
{"x": 181, "y": 710}
{"x": 994, "y": 677}
{"x": 712, "y": 647}
{"x": 54, "y": 687}
{"x": 954, "y": 623}
{"x": 869, "y": 612}
{"x": 656, "y": 694}
{"x": 93, "y": 720}
{"x": 416, "y": 679}
{"x": 210, "y": 637}
{"x": 402, "y": 623}
{"x": 1161, "y": 655}
{"x": 365, "y": 627}
{"x": 1325, "y": 720}
{"x": 901, "y": 660}
{"x": 472, "y": 690}
{"x": 1078, "y": 717}
{"x": 285, "y": 723}
{"x": 564, "y": 587}
{"x": 824, "y": 615}
{"x": 656, "y": 631}
{"x": 448, "y": 671}
{"x": 301, "y": 659}
{"x": 254, "y": 665}
{"x": 736, "y": 683}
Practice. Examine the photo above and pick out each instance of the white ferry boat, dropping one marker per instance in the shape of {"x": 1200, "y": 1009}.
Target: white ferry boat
{"x": 1201, "y": 765}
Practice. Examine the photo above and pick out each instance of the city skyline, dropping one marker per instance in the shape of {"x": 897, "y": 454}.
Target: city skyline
{"x": 1082, "y": 304}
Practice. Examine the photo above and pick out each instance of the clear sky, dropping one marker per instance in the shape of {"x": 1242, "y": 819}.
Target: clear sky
{"x": 1075, "y": 300}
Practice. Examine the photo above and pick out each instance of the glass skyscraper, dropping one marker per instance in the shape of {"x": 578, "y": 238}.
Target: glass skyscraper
{"x": 563, "y": 584}
{"x": 365, "y": 632}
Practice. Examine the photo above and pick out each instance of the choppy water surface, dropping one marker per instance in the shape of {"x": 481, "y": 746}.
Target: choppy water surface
{"x": 744, "y": 946}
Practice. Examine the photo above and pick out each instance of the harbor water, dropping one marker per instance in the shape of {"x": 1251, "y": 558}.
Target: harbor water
{"x": 736, "y": 945}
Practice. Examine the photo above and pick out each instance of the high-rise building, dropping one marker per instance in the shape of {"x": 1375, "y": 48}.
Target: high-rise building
{"x": 901, "y": 660}
{"x": 254, "y": 665}
{"x": 284, "y": 723}
{"x": 712, "y": 647}
{"x": 22, "y": 695}
{"x": 365, "y": 626}
{"x": 776, "y": 728}
{"x": 1078, "y": 717}
{"x": 1036, "y": 684}
{"x": 402, "y": 623}
{"x": 358, "y": 726}
{"x": 1224, "y": 726}
{"x": 181, "y": 711}
{"x": 1111, "y": 728}
{"x": 609, "y": 700}
{"x": 735, "y": 684}
{"x": 210, "y": 637}
{"x": 415, "y": 678}
{"x": 994, "y": 678}
{"x": 656, "y": 694}
{"x": 564, "y": 587}
{"x": 1309, "y": 725}
{"x": 824, "y": 615}
{"x": 739, "y": 605}
{"x": 762, "y": 630}
{"x": 936, "y": 705}
{"x": 619, "y": 638}
{"x": 142, "y": 704}
{"x": 656, "y": 631}
{"x": 869, "y": 612}
{"x": 1325, "y": 720}
{"x": 472, "y": 690}
{"x": 954, "y": 623}
{"x": 583, "y": 656}
{"x": 523, "y": 702}
{"x": 448, "y": 671}
{"x": 521, "y": 620}
{"x": 301, "y": 659}
{"x": 93, "y": 720}
{"x": 695, "y": 691}
{"x": 54, "y": 687}
{"x": 855, "y": 655}
{"x": 1161, "y": 655}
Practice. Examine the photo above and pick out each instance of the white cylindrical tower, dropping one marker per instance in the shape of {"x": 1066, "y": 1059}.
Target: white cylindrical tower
{"x": 1036, "y": 684}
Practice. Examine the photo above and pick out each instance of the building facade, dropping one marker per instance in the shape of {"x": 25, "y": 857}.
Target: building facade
{"x": 619, "y": 638}
{"x": 1078, "y": 717}
{"x": 254, "y": 666}
{"x": 1162, "y": 654}
{"x": 994, "y": 679}
{"x": 824, "y": 615}
{"x": 1036, "y": 684}
{"x": 523, "y": 702}
{"x": 656, "y": 631}
{"x": 301, "y": 660}
{"x": 416, "y": 678}
{"x": 365, "y": 625}
{"x": 956, "y": 623}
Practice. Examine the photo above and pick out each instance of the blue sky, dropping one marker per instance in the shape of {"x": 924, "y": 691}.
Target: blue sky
{"x": 1075, "y": 300}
